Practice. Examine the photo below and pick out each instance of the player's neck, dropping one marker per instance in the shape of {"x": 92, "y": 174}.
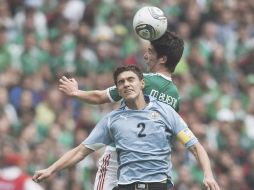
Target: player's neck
{"x": 163, "y": 70}
{"x": 165, "y": 73}
{"x": 136, "y": 104}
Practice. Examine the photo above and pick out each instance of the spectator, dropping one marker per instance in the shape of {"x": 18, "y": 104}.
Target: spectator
{"x": 12, "y": 176}
{"x": 40, "y": 41}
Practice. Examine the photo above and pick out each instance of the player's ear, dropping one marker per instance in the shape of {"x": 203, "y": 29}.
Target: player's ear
{"x": 142, "y": 84}
{"x": 163, "y": 59}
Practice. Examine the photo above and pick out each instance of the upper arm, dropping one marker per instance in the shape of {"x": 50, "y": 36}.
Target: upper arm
{"x": 83, "y": 150}
{"x": 100, "y": 135}
{"x": 180, "y": 128}
{"x": 103, "y": 97}
{"x": 194, "y": 149}
{"x": 186, "y": 137}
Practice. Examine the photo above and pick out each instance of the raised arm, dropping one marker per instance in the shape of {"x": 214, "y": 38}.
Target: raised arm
{"x": 201, "y": 156}
{"x": 70, "y": 88}
{"x": 70, "y": 158}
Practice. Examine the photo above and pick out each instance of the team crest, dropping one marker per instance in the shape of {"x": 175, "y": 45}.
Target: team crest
{"x": 154, "y": 115}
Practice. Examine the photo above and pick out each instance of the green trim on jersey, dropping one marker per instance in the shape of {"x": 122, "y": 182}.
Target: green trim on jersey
{"x": 156, "y": 85}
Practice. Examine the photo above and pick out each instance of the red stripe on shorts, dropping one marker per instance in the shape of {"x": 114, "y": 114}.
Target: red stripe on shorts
{"x": 103, "y": 171}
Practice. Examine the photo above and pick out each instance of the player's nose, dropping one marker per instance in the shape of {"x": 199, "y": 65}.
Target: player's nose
{"x": 126, "y": 84}
{"x": 145, "y": 56}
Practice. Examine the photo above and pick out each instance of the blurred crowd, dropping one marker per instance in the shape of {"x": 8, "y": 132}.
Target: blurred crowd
{"x": 41, "y": 40}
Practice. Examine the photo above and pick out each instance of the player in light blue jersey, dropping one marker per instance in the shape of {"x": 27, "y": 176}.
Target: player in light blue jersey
{"x": 142, "y": 130}
{"x": 161, "y": 57}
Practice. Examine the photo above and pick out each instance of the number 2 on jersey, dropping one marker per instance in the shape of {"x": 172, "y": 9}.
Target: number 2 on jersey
{"x": 142, "y": 126}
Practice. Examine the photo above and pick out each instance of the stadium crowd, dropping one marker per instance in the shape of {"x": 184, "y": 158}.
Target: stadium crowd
{"x": 41, "y": 40}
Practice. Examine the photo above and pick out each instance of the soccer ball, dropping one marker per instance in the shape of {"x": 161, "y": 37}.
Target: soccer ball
{"x": 150, "y": 23}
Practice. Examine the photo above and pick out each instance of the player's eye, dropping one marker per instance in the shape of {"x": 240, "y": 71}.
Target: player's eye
{"x": 120, "y": 82}
{"x": 131, "y": 79}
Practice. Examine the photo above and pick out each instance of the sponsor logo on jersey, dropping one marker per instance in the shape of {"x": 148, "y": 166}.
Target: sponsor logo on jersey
{"x": 162, "y": 97}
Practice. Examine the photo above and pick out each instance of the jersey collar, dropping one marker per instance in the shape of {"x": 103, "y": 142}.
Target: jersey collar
{"x": 164, "y": 76}
{"x": 148, "y": 99}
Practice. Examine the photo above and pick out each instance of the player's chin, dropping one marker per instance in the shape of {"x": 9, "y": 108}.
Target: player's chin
{"x": 148, "y": 67}
{"x": 129, "y": 97}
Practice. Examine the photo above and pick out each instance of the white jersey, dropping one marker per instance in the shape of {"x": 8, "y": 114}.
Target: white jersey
{"x": 106, "y": 176}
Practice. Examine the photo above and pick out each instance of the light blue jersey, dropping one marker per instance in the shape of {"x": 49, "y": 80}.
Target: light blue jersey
{"x": 142, "y": 139}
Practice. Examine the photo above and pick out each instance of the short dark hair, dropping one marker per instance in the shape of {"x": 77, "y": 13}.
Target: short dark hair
{"x": 171, "y": 46}
{"x": 135, "y": 69}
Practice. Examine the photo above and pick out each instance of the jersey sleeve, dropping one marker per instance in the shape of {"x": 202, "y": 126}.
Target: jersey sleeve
{"x": 180, "y": 129}
{"x": 184, "y": 134}
{"x": 113, "y": 94}
{"x": 100, "y": 135}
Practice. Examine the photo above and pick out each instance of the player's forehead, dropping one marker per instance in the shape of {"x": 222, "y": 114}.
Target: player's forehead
{"x": 150, "y": 48}
{"x": 127, "y": 74}
{"x": 147, "y": 45}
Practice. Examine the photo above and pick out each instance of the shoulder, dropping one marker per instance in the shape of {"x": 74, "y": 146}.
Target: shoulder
{"x": 116, "y": 111}
{"x": 157, "y": 80}
{"x": 158, "y": 76}
{"x": 151, "y": 75}
{"x": 113, "y": 114}
{"x": 160, "y": 105}
{"x": 167, "y": 112}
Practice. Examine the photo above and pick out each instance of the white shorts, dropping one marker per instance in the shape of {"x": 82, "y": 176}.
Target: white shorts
{"x": 106, "y": 176}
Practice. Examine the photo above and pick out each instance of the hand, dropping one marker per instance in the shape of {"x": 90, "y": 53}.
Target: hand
{"x": 41, "y": 175}
{"x": 210, "y": 183}
{"x": 68, "y": 86}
